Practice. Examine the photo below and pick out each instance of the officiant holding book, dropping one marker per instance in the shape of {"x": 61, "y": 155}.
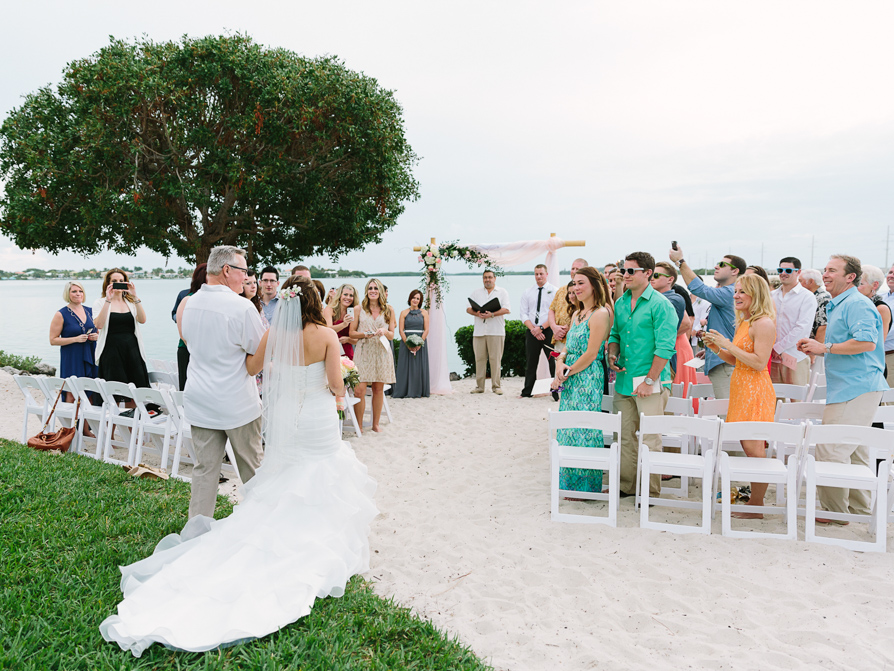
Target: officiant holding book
{"x": 488, "y": 305}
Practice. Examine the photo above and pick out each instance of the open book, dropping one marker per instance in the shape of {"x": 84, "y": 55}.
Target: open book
{"x": 491, "y": 306}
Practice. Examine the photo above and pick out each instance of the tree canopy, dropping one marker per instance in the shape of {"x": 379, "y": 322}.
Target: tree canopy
{"x": 180, "y": 147}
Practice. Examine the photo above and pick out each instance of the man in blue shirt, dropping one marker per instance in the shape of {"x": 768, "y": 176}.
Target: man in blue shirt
{"x": 855, "y": 364}
{"x": 722, "y": 316}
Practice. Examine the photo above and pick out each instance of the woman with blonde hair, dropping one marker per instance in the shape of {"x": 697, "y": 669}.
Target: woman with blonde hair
{"x": 73, "y": 331}
{"x": 340, "y": 314}
{"x": 118, "y": 315}
{"x": 373, "y": 356}
{"x": 751, "y": 394}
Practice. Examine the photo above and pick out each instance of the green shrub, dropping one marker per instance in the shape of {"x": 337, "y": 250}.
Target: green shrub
{"x": 513, "y": 363}
{"x": 25, "y": 363}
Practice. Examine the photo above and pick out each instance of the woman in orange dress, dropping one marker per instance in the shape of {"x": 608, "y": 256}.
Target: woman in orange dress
{"x": 751, "y": 394}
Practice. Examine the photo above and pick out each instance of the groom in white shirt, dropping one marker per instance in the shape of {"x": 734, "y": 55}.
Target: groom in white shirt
{"x": 535, "y": 304}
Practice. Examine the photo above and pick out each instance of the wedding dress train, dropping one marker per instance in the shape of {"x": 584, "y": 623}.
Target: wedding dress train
{"x": 300, "y": 533}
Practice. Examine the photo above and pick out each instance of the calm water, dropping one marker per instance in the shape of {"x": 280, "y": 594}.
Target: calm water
{"x": 29, "y": 306}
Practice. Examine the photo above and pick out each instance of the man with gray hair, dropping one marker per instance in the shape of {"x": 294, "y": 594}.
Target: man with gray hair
{"x": 855, "y": 358}
{"x": 221, "y": 400}
{"x": 812, "y": 280}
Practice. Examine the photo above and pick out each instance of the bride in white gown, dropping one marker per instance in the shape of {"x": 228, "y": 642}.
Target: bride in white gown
{"x": 301, "y": 530}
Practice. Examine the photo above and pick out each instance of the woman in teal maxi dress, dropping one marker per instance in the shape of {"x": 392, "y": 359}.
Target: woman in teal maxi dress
{"x": 582, "y": 391}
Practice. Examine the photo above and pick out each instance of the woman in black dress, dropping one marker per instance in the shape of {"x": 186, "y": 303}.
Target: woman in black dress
{"x": 412, "y": 362}
{"x": 118, "y": 315}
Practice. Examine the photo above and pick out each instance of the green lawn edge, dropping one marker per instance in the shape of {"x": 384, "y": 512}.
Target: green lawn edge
{"x": 67, "y": 522}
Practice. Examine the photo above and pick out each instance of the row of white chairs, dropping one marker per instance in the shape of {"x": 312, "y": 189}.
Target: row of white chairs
{"x": 715, "y": 466}
{"x": 143, "y": 429}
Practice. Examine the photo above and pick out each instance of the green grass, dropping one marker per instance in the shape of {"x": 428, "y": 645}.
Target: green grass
{"x": 67, "y": 522}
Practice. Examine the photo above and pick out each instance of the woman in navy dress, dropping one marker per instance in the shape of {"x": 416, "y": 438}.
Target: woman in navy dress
{"x": 73, "y": 331}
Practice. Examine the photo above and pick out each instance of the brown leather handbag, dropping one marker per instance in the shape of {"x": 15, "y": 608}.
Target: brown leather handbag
{"x": 58, "y": 440}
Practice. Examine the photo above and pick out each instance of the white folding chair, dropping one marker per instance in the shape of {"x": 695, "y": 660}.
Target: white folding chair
{"x": 164, "y": 380}
{"x": 887, "y": 396}
{"x": 93, "y": 416}
{"x": 184, "y": 440}
{"x": 159, "y": 426}
{"x": 384, "y": 405}
{"x": 816, "y": 389}
{"x": 28, "y": 385}
{"x": 594, "y": 458}
{"x": 884, "y": 414}
{"x": 791, "y": 392}
{"x": 127, "y": 422}
{"x": 793, "y": 413}
{"x": 770, "y": 471}
{"x": 681, "y": 407}
{"x": 707, "y": 431}
{"x": 350, "y": 402}
{"x": 850, "y": 476}
{"x": 677, "y": 390}
{"x": 701, "y": 390}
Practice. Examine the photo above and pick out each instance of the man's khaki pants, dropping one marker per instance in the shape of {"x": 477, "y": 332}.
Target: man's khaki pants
{"x": 630, "y": 408}
{"x": 488, "y": 348}
{"x": 782, "y": 374}
{"x": 889, "y": 362}
{"x": 210, "y": 448}
{"x": 856, "y": 412}
{"x": 719, "y": 376}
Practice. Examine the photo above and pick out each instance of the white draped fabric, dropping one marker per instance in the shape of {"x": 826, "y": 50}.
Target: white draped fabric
{"x": 438, "y": 370}
{"x": 503, "y": 255}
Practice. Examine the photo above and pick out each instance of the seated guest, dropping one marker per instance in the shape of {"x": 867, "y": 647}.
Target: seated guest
{"x": 751, "y": 394}
{"x": 118, "y": 315}
{"x": 73, "y": 331}
{"x": 412, "y": 362}
{"x": 340, "y": 314}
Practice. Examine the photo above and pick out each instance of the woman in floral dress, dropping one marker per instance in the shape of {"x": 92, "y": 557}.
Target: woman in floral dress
{"x": 580, "y": 371}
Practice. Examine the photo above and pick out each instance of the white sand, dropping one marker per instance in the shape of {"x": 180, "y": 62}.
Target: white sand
{"x": 465, "y": 540}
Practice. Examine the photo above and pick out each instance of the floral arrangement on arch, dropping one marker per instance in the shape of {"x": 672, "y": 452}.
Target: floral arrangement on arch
{"x": 432, "y": 256}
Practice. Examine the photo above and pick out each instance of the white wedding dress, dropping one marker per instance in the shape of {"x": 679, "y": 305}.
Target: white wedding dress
{"x": 300, "y": 533}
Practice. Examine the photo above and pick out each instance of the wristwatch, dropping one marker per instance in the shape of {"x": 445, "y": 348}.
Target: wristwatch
{"x": 828, "y": 347}
{"x": 680, "y": 263}
{"x": 649, "y": 381}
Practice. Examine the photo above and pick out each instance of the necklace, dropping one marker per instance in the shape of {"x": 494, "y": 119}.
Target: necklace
{"x": 80, "y": 322}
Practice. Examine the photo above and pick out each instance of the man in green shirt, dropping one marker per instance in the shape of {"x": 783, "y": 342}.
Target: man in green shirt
{"x": 642, "y": 341}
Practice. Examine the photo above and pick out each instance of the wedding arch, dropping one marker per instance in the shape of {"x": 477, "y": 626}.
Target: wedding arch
{"x": 486, "y": 256}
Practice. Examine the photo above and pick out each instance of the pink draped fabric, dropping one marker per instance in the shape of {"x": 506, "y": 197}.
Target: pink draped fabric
{"x": 516, "y": 253}
{"x": 438, "y": 371}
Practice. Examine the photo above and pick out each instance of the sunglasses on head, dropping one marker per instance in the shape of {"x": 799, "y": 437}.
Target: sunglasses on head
{"x": 630, "y": 271}
{"x": 787, "y": 271}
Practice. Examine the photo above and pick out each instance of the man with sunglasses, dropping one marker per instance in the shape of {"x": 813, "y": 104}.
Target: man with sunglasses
{"x": 722, "y": 317}
{"x": 642, "y": 341}
{"x": 795, "y": 314}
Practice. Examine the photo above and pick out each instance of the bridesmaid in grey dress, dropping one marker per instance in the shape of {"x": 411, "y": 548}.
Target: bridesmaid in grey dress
{"x": 412, "y": 362}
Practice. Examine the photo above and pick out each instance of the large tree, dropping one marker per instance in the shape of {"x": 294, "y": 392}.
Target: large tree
{"x": 184, "y": 146}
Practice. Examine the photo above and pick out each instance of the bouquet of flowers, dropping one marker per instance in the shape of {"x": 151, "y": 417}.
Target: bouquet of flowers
{"x": 351, "y": 377}
{"x": 415, "y": 341}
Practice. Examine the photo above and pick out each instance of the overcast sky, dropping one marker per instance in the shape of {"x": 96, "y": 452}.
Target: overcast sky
{"x": 724, "y": 125}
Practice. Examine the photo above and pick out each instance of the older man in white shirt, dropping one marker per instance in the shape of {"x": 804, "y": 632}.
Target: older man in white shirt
{"x": 535, "y": 303}
{"x": 489, "y": 333}
{"x": 221, "y": 400}
{"x": 795, "y": 312}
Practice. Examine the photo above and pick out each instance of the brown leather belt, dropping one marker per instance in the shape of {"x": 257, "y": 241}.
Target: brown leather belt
{"x": 890, "y": 351}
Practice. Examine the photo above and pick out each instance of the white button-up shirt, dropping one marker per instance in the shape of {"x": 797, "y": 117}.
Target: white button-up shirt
{"x": 887, "y": 297}
{"x": 795, "y": 312}
{"x": 220, "y": 328}
{"x": 529, "y": 310}
{"x": 493, "y": 326}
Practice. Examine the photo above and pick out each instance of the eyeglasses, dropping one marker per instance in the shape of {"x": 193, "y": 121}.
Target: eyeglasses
{"x": 725, "y": 264}
{"x": 630, "y": 271}
{"x": 655, "y": 276}
{"x": 787, "y": 271}
{"x": 244, "y": 270}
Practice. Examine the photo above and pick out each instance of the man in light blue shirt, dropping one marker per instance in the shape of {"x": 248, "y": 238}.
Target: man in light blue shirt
{"x": 855, "y": 361}
{"x": 722, "y": 316}
{"x": 889, "y": 341}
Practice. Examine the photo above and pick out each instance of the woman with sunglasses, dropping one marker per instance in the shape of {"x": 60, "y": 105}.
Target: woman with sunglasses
{"x": 752, "y": 397}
